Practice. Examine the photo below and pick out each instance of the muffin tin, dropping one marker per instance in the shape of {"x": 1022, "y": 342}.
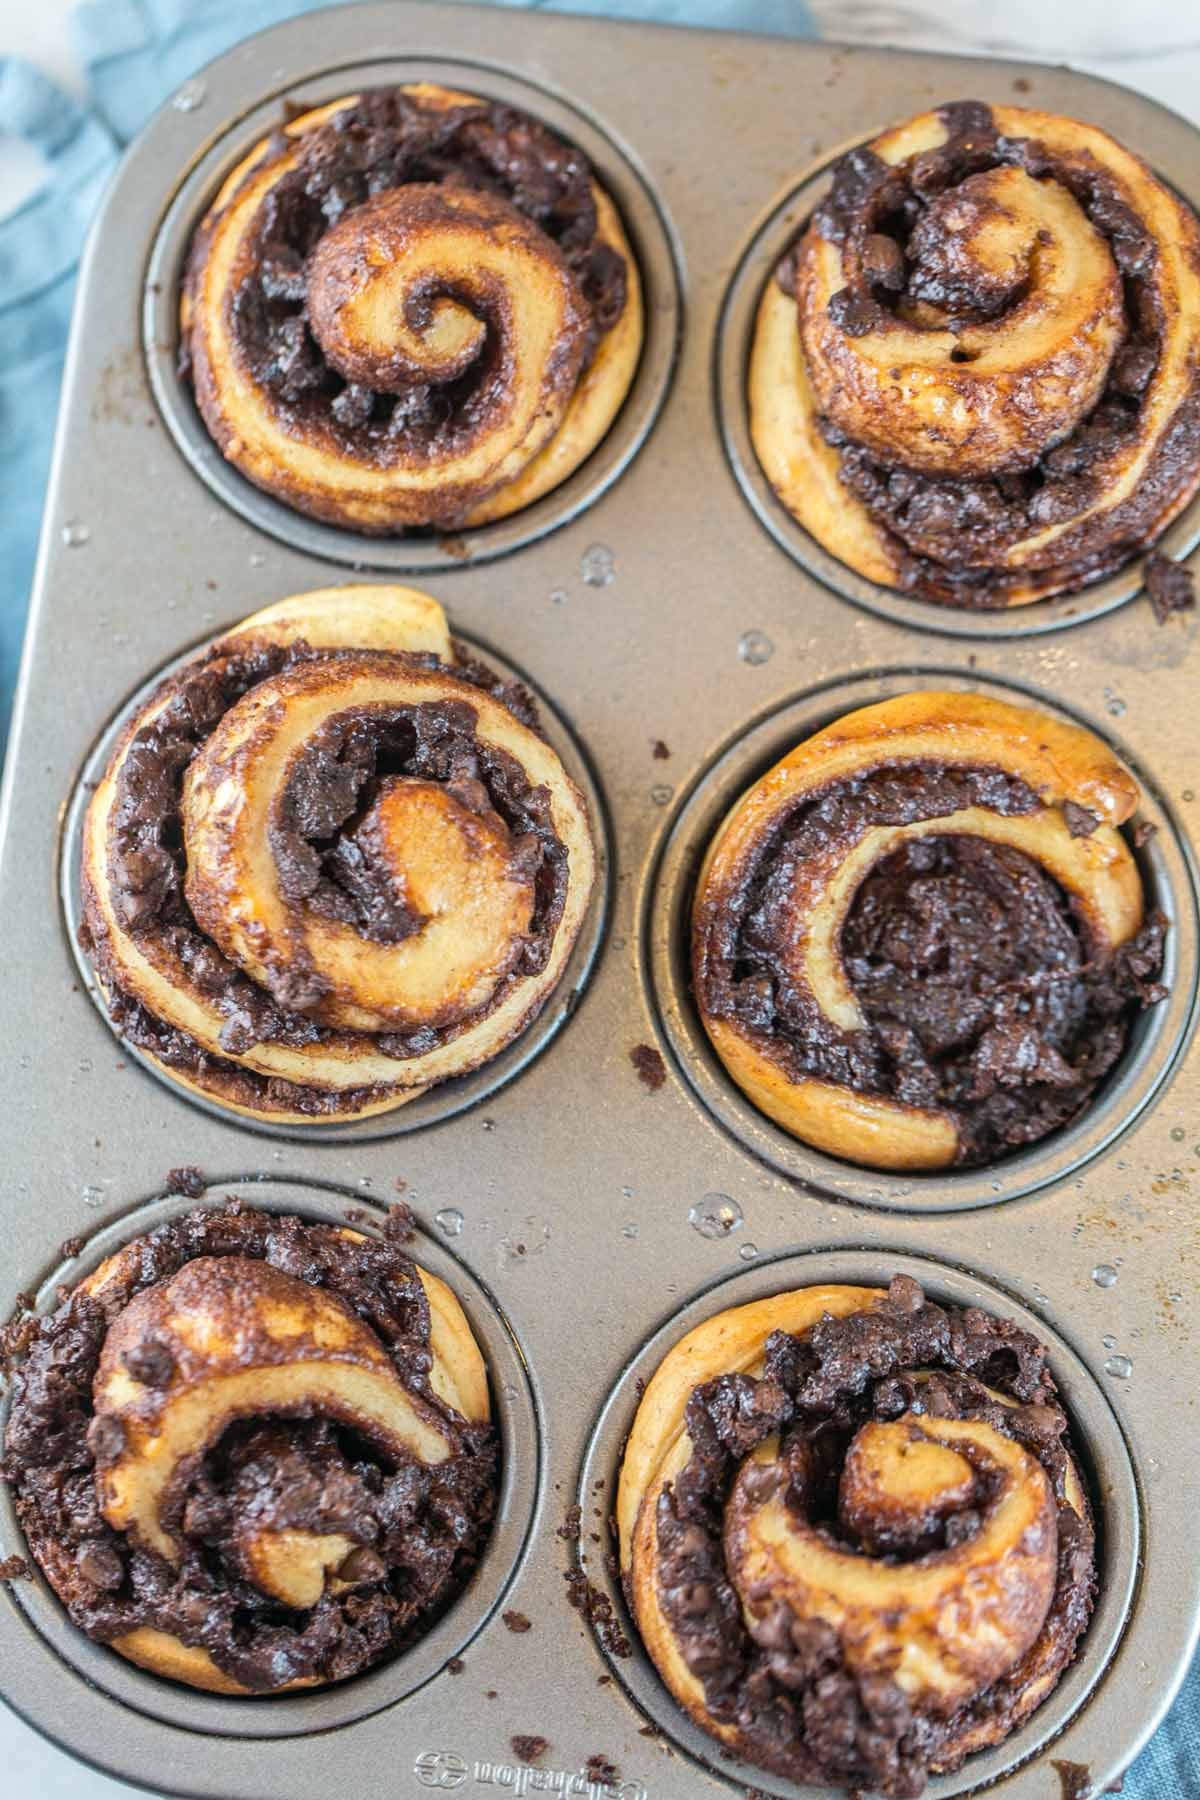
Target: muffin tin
{"x": 585, "y": 1220}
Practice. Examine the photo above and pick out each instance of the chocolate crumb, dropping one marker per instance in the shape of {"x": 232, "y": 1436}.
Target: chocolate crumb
{"x": 568, "y": 1531}
{"x": 1021, "y": 85}
{"x": 604, "y": 1681}
{"x": 455, "y": 1666}
{"x": 1080, "y": 822}
{"x": 1143, "y": 831}
{"x": 456, "y": 547}
{"x": 354, "y": 1215}
{"x": 491, "y": 1693}
{"x": 659, "y": 751}
{"x": 599, "y": 1769}
{"x": 1076, "y": 1779}
{"x": 1171, "y": 587}
{"x": 400, "y": 1225}
{"x": 189, "y": 1180}
{"x": 516, "y": 1621}
{"x": 71, "y": 1247}
{"x": 651, "y": 1069}
{"x": 15, "y": 1568}
{"x": 527, "y": 1747}
{"x": 597, "y": 1611}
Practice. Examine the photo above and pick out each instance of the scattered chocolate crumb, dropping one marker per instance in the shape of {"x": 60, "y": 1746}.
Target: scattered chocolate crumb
{"x": 604, "y": 1681}
{"x": 15, "y": 1568}
{"x": 189, "y": 1180}
{"x": 651, "y": 1069}
{"x": 400, "y": 1225}
{"x": 568, "y": 1531}
{"x": 71, "y": 1247}
{"x": 1171, "y": 587}
{"x": 456, "y": 547}
{"x": 527, "y": 1747}
{"x": 650, "y": 1731}
{"x": 1021, "y": 85}
{"x": 599, "y": 1769}
{"x": 639, "y": 1386}
{"x": 1080, "y": 822}
{"x": 1076, "y": 1779}
{"x": 597, "y": 1611}
{"x": 491, "y": 1693}
{"x": 211, "y": 585}
{"x": 1143, "y": 831}
{"x": 659, "y": 751}
{"x": 456, "y": 1665}
{"x": 516, "y": 1621}
{"x": 354, "y": 1215}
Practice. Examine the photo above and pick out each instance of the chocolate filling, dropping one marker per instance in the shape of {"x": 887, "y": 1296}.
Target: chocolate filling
{"x": 949, "y": 535}
{"x": 786, "y": 1684}
{"x": 418, "y": 1531}
{"x": 981, "y": 992}
{"x": 385, "y": 140}
{"x": 320, "y": 865}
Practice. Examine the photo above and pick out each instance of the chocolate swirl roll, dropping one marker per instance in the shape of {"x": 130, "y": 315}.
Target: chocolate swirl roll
{"x": 976, "y": 377}
{"x": 410, "y": 308}
{"x": 853, "y": 1533}
{"x": 252, "y": 1453}
{"x": 921, "y": 938}
{"x": 332, "y": 861}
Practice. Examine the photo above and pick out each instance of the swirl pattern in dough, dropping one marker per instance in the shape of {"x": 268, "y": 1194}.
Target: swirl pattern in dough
{"x": 410, "y": 308}
{"x": 976, "y": 377}
{"x": 252, "y": 1453}
{"x": 332, "y": 862}
{"x": 920, "y": 939}
{"x": 853, "y": 1534}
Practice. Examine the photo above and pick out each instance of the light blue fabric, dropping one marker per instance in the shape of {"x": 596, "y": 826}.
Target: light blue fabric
{"x": 135, "y": 53}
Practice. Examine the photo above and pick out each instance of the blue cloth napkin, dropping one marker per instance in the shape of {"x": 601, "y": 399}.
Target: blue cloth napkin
{"x": 135, "y": 53}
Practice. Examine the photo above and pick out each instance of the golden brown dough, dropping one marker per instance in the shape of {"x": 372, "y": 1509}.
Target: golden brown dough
{"x": 246, "y": 1414}
{"x": 976, "y": 377}
{"x": 916, "y": 938}
{"x": 851, "y": 1560}
{"x": 411, "y": 308}
{"x": 330, "y": 864}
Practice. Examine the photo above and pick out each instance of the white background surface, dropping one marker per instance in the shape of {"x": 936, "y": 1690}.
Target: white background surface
{"x": 1153, "y": 46}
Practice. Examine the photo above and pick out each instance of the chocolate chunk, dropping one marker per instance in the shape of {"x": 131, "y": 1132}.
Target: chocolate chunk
{"x": 854, "y": 313}
{"x": 528, "y": 1748}
{"x": 883, "y": 262}
{"x": 1171, "y": 586}
{"x": 188, "y": 1180}
{"x": 517, "y": 1621}
{"x": 650, "y": 1067}
{"x": 1080, "y": 821}
{"x": 100, "y": 1566}
{"x": 151, "y": 1363}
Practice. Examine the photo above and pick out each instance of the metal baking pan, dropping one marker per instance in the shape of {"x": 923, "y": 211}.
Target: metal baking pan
{"x": 658, "y": 596}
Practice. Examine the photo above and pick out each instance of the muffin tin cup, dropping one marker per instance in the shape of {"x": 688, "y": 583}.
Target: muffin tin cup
{"x": 1156, "y": 1040}
{"x": 449, "y": 1098}
{"x": 515, "y": 1418}
{"x": 1096, "y": 1435}
{"x": 757, "y": 266}
{"x": 433, "y": 551}
{"x": 575, "y": 1209}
